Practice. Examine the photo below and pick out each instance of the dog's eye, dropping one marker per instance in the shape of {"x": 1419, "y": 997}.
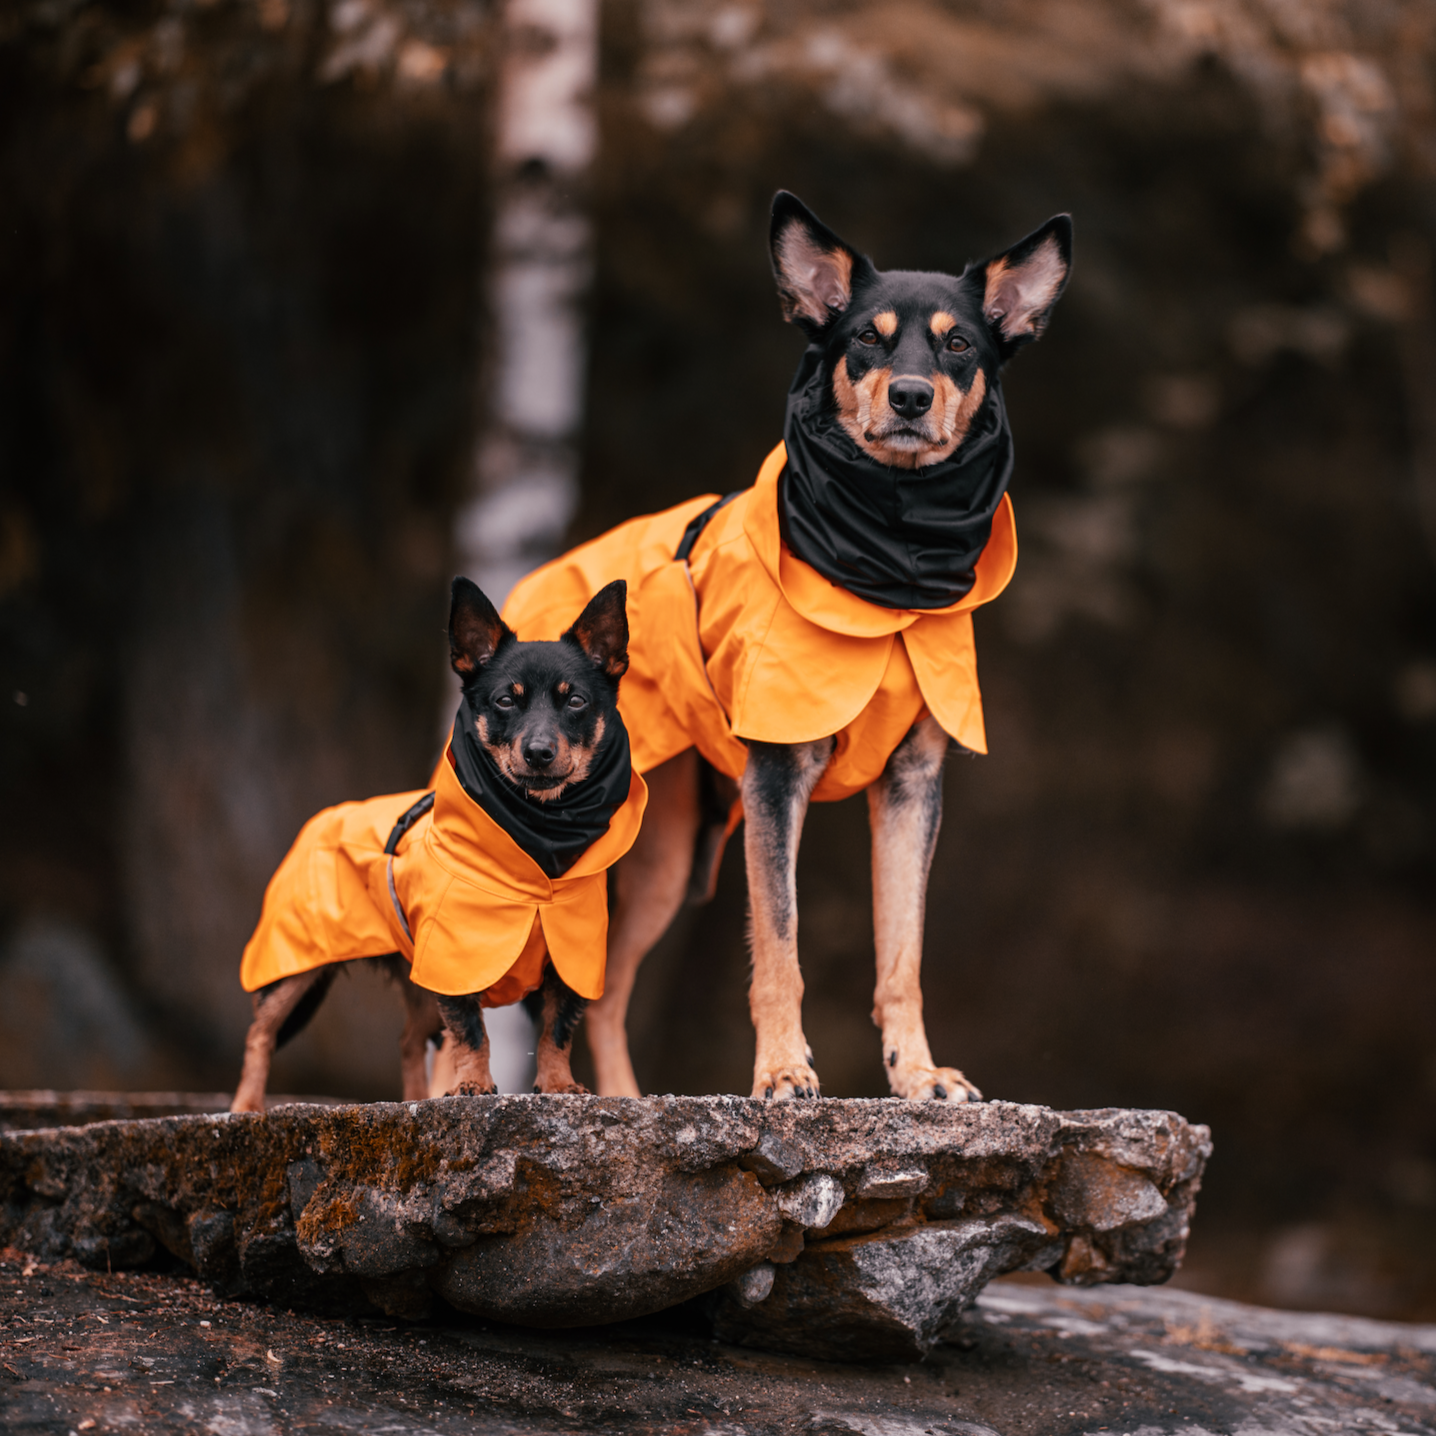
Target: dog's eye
{"x": 504, "y": 700}
{"x": 956, "y": 344}
{"x": 577, "y": 700}
{"x": 868, "y": 336}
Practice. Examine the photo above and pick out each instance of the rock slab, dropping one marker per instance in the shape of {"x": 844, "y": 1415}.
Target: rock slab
{"x": 840, "y": 1229}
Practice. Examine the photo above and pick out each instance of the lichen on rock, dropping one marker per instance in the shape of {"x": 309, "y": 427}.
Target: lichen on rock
{"x": 843, "y": 1229}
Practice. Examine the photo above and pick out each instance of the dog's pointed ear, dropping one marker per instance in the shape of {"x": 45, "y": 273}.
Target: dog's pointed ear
{"x": 476, "y": 632}
{"x": 815, "y": 270}
{"x": 601, "y": 630}
{"x": 1020, "y": 286}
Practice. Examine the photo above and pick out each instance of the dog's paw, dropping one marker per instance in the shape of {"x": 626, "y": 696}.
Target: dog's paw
{"x": 473, "y": 1089}
{"x": 575, "y": 1089}
{"x": 782, "y": 1084}
{"x": 929, "y": 1084}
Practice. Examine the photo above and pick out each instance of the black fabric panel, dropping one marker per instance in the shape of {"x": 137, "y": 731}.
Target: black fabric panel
{"x": 555, "y": 834}
{"x": 900, "y": 538}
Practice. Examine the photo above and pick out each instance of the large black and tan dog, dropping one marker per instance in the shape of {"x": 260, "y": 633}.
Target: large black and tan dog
{"x": 488, "y": 889}
{"x": 811, "y": 637}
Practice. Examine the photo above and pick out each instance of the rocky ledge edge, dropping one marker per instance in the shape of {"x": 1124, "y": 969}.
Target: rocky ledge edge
{"x": 843, "y": 1229}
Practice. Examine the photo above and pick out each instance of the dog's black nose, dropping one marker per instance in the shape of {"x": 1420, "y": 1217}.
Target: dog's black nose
{"x": 909, "y": 397}
{"x": 538, "y": 754}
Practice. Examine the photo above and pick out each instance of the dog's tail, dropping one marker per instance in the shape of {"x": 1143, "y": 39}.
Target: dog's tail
{"x": 306, "y": 1007}
{"x": 717, "y": 793}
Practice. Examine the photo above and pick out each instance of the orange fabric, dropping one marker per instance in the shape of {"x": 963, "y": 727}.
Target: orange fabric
{"x": 482, "y": 912}
{"x": 746, "y": 641}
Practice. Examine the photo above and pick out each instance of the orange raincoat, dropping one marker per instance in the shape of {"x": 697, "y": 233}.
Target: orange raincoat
{"x": 469, "y": 909}
{"x": 746, "y": 641}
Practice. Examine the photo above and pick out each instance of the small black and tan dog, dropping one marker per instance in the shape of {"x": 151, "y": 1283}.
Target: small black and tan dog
{"x": 452, "y": 891}
{"x": 811, "y": 637}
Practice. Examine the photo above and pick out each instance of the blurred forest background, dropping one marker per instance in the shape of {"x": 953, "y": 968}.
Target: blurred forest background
{"x": 249, "y": 341}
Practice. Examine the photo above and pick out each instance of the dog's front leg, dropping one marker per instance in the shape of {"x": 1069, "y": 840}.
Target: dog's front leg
{"x": 905, "y": 811}
{"x": 464, "y": 1024}
{"x": 777, "y": 784}
{"x": 560, "y": 1009}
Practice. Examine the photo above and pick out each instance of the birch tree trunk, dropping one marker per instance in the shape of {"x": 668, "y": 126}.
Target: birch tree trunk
{"x": 526, "y": 464}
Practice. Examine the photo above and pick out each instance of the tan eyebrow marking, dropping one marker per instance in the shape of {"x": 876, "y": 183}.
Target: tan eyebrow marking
{"x": 563, "y": 688}
{"x": 885, "y": 323}
{"x": 518, "y": 689}
{"x": 941, "y": 322}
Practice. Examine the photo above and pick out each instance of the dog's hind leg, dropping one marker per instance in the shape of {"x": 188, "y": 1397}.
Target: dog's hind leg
{"x": 777, "y": 784}
{"x": 464, "y": 1023}
{"x": 560, "y": 1010}
{"x": 650, "y": 884}
{"x": 280, "y": 1010}
{"x": 905, "y": 811}
{"x": 421, "y": 1023}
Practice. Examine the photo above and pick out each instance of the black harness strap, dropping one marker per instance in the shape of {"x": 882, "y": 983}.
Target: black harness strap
{"x": 699, "y": 522}
{"x": 407, "y": 821}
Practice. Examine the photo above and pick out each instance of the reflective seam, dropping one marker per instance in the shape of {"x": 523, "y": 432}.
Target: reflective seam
{"x": 394, "y": 898}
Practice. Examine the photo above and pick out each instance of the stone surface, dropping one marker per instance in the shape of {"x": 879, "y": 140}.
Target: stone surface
{"x": 23, "y": 1111}
{"x": 879, "y": 1221}
{"x": 139, "y": 1351}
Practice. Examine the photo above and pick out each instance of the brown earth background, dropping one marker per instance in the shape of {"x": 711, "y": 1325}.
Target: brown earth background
{"x": 242, "y": 353}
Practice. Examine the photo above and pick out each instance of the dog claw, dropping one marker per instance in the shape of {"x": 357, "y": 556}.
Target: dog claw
{"x": 472, "y": 1089}
{"x": 941, "y": 1084}
{"x": 794, "y": 1083}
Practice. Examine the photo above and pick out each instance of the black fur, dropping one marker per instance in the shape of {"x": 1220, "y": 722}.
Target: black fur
{"x": 464, "y": 1017}
{"x": 984, "y": 336}
{"x": 539, "y": 702}
{"x": 717, "y": 793}
{"x": 569, "y": 1010}
{"x": 568, "y": 1006}
{"x": 305, "y": 1008}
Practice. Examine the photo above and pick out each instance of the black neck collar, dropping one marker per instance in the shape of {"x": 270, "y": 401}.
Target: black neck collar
{"x": 556, "y": 833}
{"x": 901, "y": 538}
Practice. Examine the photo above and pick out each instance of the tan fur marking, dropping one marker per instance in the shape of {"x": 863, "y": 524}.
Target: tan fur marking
{"x": 518, "y": 689}
{"x": 865, "y": 414}
{"x": 509, "y": 763}
{"x": 885, "y": 323}
{"x": 902, "y": 842}
{"x": 481, "y": 727}
{"x": 861, "y": 404}
{"x": 845, "y": 394}
{"x": 421, "y": 1022}
{"x": 563, "y": 689}
{"x": 965, "y": 406}
{"x": 781, "y": 1067}
{"x": 472, "y": 1077}
{"x": 941, "y": 322}
{"x": 571, "y": 763}
{"x": 554, "y": 1073}
{"x": 271, "y": 1007}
